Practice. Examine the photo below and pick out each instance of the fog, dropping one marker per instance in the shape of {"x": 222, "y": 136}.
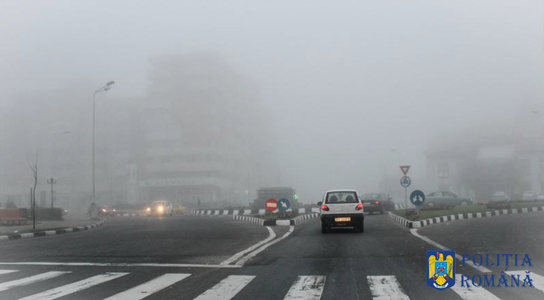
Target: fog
{"x": 349, "y": 89}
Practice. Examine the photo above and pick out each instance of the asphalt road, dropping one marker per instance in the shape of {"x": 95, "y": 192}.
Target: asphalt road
{"x": 213, "y": 258}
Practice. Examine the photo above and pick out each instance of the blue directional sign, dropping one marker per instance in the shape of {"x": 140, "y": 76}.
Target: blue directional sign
{"x": 417, "y": 197}
{"x": 284, "y": 204}
{"x": 405, "y": 181}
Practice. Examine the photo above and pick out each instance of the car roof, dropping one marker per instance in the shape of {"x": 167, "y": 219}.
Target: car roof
{"x": 341, "y": 190}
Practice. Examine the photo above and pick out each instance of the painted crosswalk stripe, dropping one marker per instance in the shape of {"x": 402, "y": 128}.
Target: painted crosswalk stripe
{"x": 227, "y": 288}
{"x": 306, "y": 288}
{"x": 29, "y": 280}
{"x": 74, "y": 287}
{"x": 538, "y": 281}
{"x": 7, "y": 271}
{"x": 386, "y": 287}
{"x": 143, "y": 290}
{"x": 471, "y": 293}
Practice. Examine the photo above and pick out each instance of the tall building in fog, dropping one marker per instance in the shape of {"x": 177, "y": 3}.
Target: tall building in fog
{"x": 205, "y": 138}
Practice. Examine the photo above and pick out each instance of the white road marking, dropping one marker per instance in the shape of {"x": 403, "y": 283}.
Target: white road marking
{"x": 86, "y": 264}
{"x": 146, "y": 289}
{"x": 29, "y": 280}
{"x": 243, "y": 260}
{"x": 74, "y": 287}
{"x": 227, "y": 288}
{"x": 235, "y": 257}
{"x": 7, "y": 271}
{"x": 306, "y": 288}
{"x": 459, "y": 257}
{"x": 538, "y": 280}
{"x": 386, "y": 287}
{"x": 472, "y": 293}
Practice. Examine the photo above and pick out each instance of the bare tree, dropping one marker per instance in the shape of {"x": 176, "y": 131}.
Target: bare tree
{"x": 34, "y": 168}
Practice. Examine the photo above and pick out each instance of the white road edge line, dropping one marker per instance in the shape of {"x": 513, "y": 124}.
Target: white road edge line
{"x": 150, "y": 287}
{"x": 472, "y": 293}
{"x": 7, "y": 271}
{"x": 243, "y": 260}
{"x": 459, "y": 257}
{"x": 88, "y": 264}
{"x": 306, "y": 288}
{"x": 235, "y": 257}
{"x": 227, "y": 288}
{"x": 74, "y": 287}
{"x": 4, "y": 286}
{"x": 386, "y": 287}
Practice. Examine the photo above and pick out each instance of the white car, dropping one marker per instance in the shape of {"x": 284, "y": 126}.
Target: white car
{"x": 341, "y": 209}
{"x": 528, "y": 196}
{"x": 540, "y": 197}
{"x": 500, "y": 196}
{"x": 160, "y": 208}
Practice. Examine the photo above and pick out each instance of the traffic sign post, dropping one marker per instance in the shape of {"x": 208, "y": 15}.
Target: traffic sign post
{"x": 284, "y": 205}
{"x": 417, "y": 198}
{"x": 403, "y": 181}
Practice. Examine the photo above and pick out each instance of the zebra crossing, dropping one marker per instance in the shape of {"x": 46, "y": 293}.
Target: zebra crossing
{"x": 304, "y": 287}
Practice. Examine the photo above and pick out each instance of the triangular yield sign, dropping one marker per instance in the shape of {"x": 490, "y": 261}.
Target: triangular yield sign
{"x": 404, "y": 169}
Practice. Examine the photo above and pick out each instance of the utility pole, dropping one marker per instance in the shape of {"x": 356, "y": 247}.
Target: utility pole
{"x": 104, "y": 88}
{"x": 52, "y": 181}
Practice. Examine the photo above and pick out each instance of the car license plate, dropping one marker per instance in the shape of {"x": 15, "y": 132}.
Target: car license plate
{"x": 342, "y": 219}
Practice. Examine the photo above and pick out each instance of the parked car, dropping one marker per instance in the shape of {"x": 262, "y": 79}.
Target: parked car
{"x": 160, "y": 208}
{"x": 341, "y": 208}
{"x": 528, "y": 196}
{"x": 377, "y": 202}
{"x": 500, "y": 196}
{"x": 446, "y": 199}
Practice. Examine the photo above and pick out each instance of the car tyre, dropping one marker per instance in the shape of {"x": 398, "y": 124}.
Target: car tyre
{"x": 361, "y": 228}
{"x": 324, "y": 228}
{"x": 382, "y": 211}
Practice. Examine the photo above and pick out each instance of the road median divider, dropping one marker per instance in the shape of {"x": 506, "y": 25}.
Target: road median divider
{"x": 49, "y": 231}
{"x": 277, "y": 222}
{"x": 462, "y": 216}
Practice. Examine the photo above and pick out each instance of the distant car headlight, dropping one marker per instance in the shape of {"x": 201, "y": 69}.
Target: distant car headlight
{"x": 160, "y": 209}
{"x": 148, "y": 209}
{"x": 103, "y": 210}
{"x": 114, "y": 210}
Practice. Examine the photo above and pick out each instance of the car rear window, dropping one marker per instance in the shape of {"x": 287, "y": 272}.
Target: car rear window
{"x": 341, "y": 197}
{"x": 372, "y": 197}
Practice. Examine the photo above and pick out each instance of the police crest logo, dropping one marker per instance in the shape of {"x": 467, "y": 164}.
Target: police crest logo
{"x": 441, "y": 266}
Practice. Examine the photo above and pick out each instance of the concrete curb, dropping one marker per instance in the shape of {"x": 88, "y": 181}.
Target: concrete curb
{"x": 129, "y": 215}
{"x": 244, "y": 212}
{"x": 294, "y": 221}
{"x": 427, "y": 222}
{"x": 50, "y": 232}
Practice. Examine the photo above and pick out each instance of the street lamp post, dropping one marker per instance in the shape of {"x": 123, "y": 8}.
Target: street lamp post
{"x": 52, "y": 181}
{"x": 104, "y": 88}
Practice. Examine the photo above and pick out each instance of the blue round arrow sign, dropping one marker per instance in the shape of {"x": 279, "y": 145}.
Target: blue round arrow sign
{"x": 405, "y": 181}
{"x": 284, "y": 204}
{"x": 417, "y": 197}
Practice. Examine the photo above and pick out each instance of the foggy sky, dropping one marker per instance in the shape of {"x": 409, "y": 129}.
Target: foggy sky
{"x": 346, "y": 81}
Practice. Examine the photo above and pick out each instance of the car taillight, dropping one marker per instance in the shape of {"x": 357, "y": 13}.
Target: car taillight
{"x": 359, "y": 206}
{"x": 376, "y": 202}
{"x": 324, "y": 207}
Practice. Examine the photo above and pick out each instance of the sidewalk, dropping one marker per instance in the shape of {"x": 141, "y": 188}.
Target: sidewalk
{"x": 69, "y": 221}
